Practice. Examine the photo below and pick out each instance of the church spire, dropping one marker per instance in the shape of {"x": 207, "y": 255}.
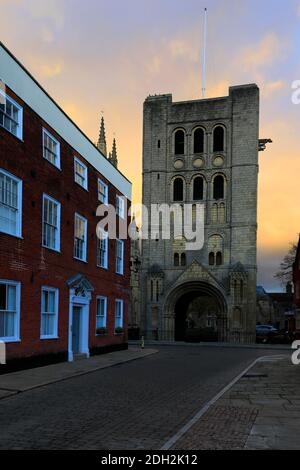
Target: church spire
{"x": 113, "y": 155}
{"x": 102, "y": 139}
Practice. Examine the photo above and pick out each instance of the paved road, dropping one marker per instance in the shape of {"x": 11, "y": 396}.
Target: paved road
{"x": 138, "y": 405}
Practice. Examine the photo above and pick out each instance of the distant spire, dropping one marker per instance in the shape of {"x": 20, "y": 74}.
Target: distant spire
{"x": 113, "y": 155}
{"x": 102, "y": 139}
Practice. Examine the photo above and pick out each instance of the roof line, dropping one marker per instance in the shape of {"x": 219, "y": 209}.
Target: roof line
{"x": 59, "y": 107}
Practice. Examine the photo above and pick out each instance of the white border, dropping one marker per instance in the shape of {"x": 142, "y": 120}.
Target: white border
{"x": 45, "y": 131}
{"x": 57, "y": 247}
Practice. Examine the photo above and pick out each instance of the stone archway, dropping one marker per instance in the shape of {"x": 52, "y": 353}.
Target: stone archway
{"x": 195, "y": 310}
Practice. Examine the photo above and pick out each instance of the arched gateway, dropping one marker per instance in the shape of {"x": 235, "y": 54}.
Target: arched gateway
{"x": 195, "y": 310}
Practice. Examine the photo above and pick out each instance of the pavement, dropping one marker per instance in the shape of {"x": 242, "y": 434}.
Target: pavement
{"x": 144, "y": 404}
{"x": 261, "y": 411}
{"x": 266, "y": 347}
{"x": 25, "y": 380}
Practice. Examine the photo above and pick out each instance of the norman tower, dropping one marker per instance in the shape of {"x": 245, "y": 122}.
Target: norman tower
{"x": 202, "y": 151}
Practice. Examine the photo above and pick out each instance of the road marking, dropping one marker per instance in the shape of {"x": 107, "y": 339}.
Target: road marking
{"x": 172, "y": 441}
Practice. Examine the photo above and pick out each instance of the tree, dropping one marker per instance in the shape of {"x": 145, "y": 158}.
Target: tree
{"x": 285, "y": 273}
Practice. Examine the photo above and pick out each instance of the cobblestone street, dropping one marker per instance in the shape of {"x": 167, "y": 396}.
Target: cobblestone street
{"x": 137, "y": 405}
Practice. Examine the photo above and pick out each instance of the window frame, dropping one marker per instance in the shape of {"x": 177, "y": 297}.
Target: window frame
{"x": 56, "y": 313}
{"x": 19, "y": 134}
{"x": 121, "y": 303}
{"x": 120, "y": 208}
{"x": 84, "y": 166}
{"x": 76, "y": 215}
{"x": 105, "y": 202}
{"x": 121, "y": 272}
{"x": 51, "y": 199}
{"x": 106, "y": 251}
{"x": 19, "y": 182}
{"x": 16, "y": 338}
{"x": 50, "y": 136}
{"x": 101, "y": 297}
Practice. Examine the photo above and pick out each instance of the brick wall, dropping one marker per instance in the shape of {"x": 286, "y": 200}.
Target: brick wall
{"x": 25, "y": 259}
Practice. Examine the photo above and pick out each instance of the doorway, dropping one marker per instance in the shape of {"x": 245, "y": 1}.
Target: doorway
{"x": 76, "y": 329}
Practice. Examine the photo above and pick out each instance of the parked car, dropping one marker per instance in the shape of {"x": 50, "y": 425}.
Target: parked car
{"x": 265, "y": 333}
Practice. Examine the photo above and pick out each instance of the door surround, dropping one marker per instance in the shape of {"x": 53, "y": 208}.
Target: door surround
{"x": 80, "y": 294}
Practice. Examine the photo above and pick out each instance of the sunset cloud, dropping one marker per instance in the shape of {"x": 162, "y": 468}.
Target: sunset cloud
{"x": 111, "y": 55}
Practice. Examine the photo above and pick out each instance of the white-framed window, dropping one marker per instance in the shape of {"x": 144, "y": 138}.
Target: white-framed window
{"x": 119, "y": 256}
{"x": 49, "y": 313}
{"x": 80, "y": 237}
{"x": 101, "y": 313}
{"x": 51, "y": 149}
{"x": 80, "y": 173}
{"x": 102, "y": 192}
{"x": 11, "y": 115}
{"x": 10, "y": 294}
{"x": 118, "y": 313}
{"x": 51, "y": 223}
{"x": 120, "y": 206}
{"x": 10, "y": 204}
{"x": 102, "y": 250}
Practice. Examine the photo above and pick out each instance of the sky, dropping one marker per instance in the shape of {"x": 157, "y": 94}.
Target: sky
{"x": 108, "y": 56}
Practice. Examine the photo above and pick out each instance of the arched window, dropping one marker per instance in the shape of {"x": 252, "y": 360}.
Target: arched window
{"x": 178, "y": 190}
{"x": 211, "y": 259}
{"x": 219, "y": 258}
{"x": 176, "y": 259}
{"x": 214, "y": 213}
{"x": 199, "y": 141}
{"x": 198, "y": 188}
{"x": 219, "y": 136}
{"x": 215, "y": 250}
{"x": 183, "y": 259}
{"x": 179, "y": 142}
{"x": 222, "y": 213}
{"x": 219, "y": 187}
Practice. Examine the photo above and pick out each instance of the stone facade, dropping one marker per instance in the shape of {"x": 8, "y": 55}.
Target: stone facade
{"x": 226, "y": 146}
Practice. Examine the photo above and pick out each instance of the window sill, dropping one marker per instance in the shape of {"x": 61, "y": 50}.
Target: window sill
{"x": 101, "y": 336}
{"x": 52, "y": 249}
{"x": 20, "y": 139}
{"x": 82, "y": 260}
{"x": 82, "y": 187}
{"x": 10, "y": 340}
{"x": 105, "y": 268}
{"x": 19, "y": 237}
{"x": 52, "y": 164}
{"x": 45, "y": 338}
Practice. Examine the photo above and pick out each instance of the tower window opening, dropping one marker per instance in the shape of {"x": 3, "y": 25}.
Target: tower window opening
{"x": 219, "y": 136}
{"x": 179, "y": 142}
{"x": 199, "y": 141}
{"x": 178, "y": 190}
{"x": 198, "y": 189}
{"x": 219, "y": 187}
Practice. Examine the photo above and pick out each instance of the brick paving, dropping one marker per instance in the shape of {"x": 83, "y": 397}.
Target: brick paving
{"x": 137, "y": 405}
{"x": 261, "y": 411}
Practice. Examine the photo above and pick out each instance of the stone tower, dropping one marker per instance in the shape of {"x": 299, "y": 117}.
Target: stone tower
{"x": 202, "y": 151}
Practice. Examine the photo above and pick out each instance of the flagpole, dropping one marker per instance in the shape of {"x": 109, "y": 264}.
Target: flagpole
{"x": 204, "y": 53}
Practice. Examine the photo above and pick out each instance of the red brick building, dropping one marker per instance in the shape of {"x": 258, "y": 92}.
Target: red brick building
{"x": 63, "y": 292}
